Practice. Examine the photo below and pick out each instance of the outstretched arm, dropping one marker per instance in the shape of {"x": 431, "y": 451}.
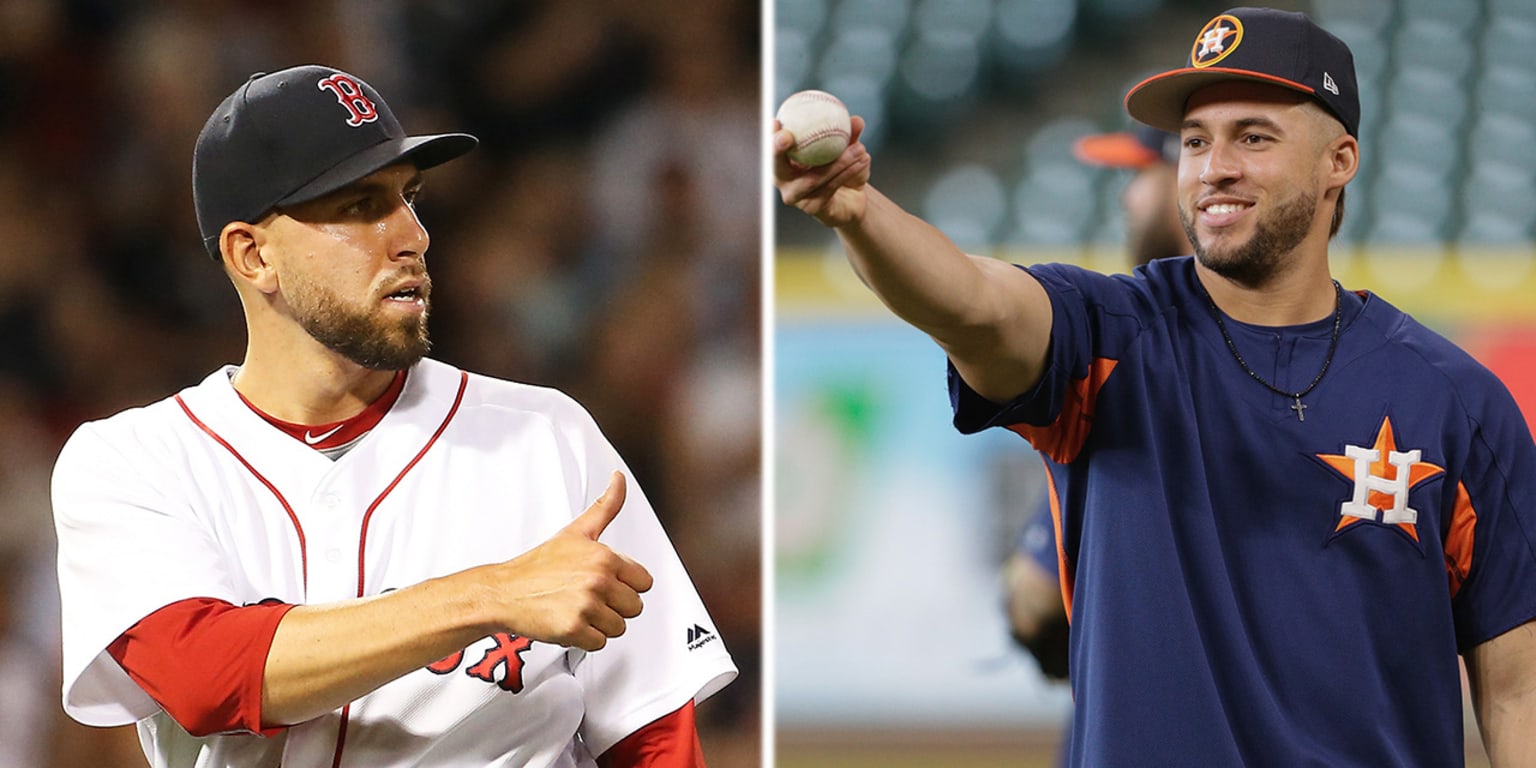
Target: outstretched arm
{"x": 992, "y": 318}
{"x": 1502, "y": 673}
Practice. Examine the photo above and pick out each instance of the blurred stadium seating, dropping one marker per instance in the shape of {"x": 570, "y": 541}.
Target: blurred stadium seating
{"x": 1448, "y": 96}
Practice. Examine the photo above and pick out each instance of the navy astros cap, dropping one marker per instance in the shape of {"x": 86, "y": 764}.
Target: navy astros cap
{"x": 292, "y": 136}
{"x": 1262, "y": 45}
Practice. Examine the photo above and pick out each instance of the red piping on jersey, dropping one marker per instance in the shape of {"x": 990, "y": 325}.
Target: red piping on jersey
{"x": 362, "y": 539}
{"x": 1063, "y": 573}
{"x": 299, "y": 529}
{"x": 341, "y": 736}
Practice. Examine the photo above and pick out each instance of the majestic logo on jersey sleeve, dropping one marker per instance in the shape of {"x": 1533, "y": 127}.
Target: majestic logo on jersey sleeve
{"x": 1216, "y": 41}
{"x": 1383, "y": 476}
{"x": 700, "y": 636}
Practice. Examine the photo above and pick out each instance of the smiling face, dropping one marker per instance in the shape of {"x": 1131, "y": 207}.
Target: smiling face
{"x": 350, "y": 269}
{"x": 1256, "y": 160}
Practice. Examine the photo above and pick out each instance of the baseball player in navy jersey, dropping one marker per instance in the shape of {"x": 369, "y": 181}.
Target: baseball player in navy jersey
{"x": 1283, "y": 507}
{"x": 341, "y": 552}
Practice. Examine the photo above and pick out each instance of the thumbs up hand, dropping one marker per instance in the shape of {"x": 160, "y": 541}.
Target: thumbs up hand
{"x": 592, "y": 522}
{"x": 572, "y": 590}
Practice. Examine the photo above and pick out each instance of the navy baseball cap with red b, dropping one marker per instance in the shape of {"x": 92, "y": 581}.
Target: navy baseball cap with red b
{"x": 292, "y": 136}
{"x": 1258, "y": 44}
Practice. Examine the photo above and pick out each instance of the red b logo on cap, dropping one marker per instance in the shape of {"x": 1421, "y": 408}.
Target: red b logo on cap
{"x": 350, "y": 95}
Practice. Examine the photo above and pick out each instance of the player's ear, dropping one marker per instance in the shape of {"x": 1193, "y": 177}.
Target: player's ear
{"x": 1343, "y": 159}
{"x": 240, "y": 244}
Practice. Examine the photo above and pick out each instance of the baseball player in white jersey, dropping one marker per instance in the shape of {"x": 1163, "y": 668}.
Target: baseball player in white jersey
{"x": 341, "y": 553}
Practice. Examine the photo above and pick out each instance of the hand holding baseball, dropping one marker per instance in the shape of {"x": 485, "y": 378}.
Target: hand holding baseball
{"x": 572, "y": 590}
{"x": 810, "y": 175}
{"x": 820, "y": 124}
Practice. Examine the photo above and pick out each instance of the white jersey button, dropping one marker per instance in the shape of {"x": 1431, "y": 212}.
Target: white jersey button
{"x": 333, "y": 555}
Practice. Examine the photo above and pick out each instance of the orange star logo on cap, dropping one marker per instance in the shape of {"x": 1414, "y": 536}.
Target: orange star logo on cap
{"x": 1217, "y": 39}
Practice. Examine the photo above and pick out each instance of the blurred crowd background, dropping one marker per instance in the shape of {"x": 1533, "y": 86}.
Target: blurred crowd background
{"x": 604, "y": 239}
{"x": 979, "y": 101}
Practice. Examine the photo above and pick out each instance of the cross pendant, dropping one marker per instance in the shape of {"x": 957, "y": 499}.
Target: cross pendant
{"x": 1298, "y": 408}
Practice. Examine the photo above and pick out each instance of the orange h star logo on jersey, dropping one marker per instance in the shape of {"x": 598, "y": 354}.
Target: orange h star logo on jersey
{"x": 1383, "y": 477}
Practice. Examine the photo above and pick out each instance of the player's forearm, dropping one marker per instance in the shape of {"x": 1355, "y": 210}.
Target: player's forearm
{"x": 1506, "y": 727}
{"x": 914, "y": 268}
{"x": 1502, "y": 673}
{"x": 992, "y": 318}
{"x": 325, "y": 656}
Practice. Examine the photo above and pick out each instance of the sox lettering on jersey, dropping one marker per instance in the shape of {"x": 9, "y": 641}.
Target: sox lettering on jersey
{"x": 508, "y": 652}
{"x": 360, "y": 108}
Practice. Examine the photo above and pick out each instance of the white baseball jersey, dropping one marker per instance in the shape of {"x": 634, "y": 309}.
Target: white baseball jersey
{"x": 198, "y": 496}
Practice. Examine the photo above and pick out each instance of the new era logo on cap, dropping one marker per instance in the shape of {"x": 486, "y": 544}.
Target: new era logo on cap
{"x": 1260, "y": 45}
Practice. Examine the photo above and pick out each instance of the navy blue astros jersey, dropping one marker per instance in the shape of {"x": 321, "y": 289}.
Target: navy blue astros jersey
{"x": 1255, "y": 583}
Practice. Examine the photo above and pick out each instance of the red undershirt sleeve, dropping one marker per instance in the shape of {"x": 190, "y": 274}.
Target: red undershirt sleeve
{"x": 203, "y": 661}
{"x": 671, "y": 741}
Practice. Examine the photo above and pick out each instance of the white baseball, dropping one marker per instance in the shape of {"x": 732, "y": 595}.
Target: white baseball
{"x": 820, "y": 124}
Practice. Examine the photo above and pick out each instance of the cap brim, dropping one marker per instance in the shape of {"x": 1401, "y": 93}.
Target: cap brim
{"x": 1159, "y": 100}
{"x": 424, "y": 151}
{"x": 1114, "y": 150}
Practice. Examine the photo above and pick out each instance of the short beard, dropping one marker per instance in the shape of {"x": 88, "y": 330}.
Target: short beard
{"x": 361, "y": 337}
{"x": 1254, "y": 263}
